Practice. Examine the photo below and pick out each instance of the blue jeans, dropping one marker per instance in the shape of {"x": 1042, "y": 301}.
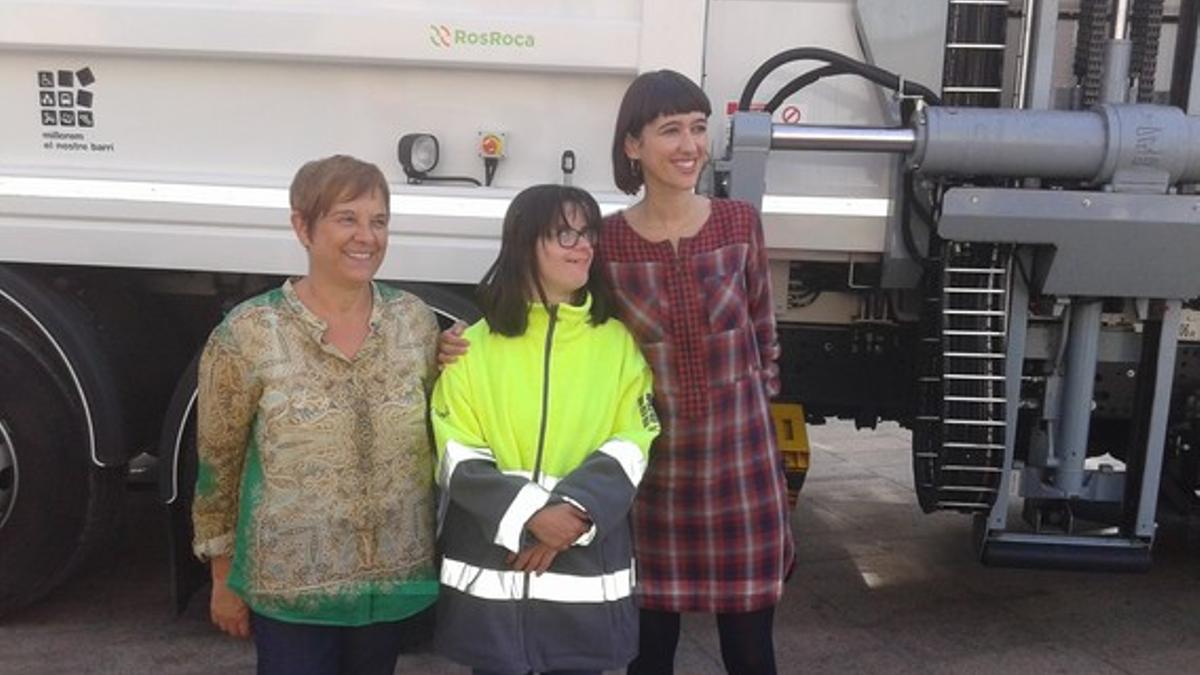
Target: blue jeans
{"x": 306, "y": 649}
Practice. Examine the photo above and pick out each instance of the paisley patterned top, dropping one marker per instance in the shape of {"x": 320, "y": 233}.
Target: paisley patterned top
{"x": 316, "y": 470}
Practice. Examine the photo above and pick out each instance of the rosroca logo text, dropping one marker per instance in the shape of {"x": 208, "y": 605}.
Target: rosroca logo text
{"x": 445, "y": 37}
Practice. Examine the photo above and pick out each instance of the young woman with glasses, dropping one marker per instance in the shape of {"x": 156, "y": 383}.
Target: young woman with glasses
{"x": 542, "y": 432}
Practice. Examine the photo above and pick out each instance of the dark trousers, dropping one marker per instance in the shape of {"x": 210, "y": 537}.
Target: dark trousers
{"x": 747, "y": 646}
{"x": 305, "y": 649}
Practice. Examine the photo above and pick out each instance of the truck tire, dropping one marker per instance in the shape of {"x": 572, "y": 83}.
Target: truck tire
{"x": 55, "y": 506}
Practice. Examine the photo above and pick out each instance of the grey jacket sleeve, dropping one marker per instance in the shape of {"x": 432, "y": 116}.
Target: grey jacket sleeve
{"x": 604, "y": 486}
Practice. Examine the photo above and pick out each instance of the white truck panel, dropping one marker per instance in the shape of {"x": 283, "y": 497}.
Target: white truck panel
{"x": 593, "y": 37}
{"x": 231, "y": 97}
{"x": 255, "y": 122}
{"x": 744, "y": 33}
{"x": 436, "y": 234}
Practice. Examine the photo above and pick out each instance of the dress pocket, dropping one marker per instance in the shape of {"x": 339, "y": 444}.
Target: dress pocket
{"x": 722, "y": 275}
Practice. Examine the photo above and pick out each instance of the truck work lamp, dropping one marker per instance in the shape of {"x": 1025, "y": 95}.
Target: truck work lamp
{"x": 418, "y": 154}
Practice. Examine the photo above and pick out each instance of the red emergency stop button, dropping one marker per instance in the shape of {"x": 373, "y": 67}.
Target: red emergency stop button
{"x": 491, "y": 145}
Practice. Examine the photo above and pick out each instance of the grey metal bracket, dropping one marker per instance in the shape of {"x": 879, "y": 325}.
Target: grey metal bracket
{"x": 1096, "y": 244}
{"x": 750, "y": 143}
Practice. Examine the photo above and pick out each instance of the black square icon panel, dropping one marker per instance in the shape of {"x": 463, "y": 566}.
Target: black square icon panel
{"x": 61, "y": 91}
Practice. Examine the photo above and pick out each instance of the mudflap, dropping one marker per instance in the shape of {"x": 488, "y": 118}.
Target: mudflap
{"x": 188, "y": 575}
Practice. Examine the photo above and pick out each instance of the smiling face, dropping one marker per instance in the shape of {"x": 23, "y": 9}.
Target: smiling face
{"x": 564, "y": 270}
{"x": 671, "y": 150}
{"x": 346, "y": 245}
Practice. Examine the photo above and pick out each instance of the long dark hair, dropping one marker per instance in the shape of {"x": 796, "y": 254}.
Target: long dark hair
{"x": 535, "y": 213}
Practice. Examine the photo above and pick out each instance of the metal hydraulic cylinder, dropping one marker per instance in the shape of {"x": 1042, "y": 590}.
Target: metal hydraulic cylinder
{"x": 1071, "y": 435}
{"x": 1097, "y": 146}
{"x": 843, "y": 138}
{"x": 1139, "y": 147}
{"x": 1006, "y": 142}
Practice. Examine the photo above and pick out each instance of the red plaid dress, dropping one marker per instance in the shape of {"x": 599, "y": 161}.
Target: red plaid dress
{"x": 711, "y": 524}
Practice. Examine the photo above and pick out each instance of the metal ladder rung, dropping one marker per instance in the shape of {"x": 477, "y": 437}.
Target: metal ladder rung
{"x": 994, "y": 3}
{"x": 967, "y": 488}
{"x": 972, "y": 90}
{"x": 982, "y": 423}
{"x": 963, "y": 468}
{"x": 975, "y": 399}
{"x": 974, "y": 45}
{"x": 974, "y": 333}
{"x": 981, "y": 378}
{"x": 928, "y": 378}
{"x": 926, "y": 455}
{"x": 973, "y": 355}
{"x": 927, "y": 418}
{"x": 963, "y": 445}
{"x": 974, "y": 312}
{"x": 977, "y": 291}
{"x": 976, "y": 270}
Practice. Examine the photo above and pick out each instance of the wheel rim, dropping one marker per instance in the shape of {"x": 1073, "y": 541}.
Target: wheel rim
{"x": 8, "y": 474}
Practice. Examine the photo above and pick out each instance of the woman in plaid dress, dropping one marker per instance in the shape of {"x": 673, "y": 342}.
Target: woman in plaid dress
{"x": 692, "y": 282}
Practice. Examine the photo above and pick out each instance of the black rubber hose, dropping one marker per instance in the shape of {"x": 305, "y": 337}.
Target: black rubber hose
{"x": 909, "y": 205}
{"x": 875, "y": 74}
{"x": 451, "y": 179}
{"x": 799, "y": 83}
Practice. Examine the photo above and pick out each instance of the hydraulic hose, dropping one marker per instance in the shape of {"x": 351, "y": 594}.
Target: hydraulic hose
{"x": 799, "y": 83}
{"x": 875, "y": 74}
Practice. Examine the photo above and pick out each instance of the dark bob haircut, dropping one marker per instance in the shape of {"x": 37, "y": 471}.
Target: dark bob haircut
{"x": 536, "y": 213}
{"x": 322, "y": 183}
{"x": 658, "y": 92}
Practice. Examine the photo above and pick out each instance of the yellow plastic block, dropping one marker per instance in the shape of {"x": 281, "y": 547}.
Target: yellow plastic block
{"x": 791, "y": 436}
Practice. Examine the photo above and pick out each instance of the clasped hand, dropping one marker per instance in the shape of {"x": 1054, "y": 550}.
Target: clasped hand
{"x": 555, "y": 528}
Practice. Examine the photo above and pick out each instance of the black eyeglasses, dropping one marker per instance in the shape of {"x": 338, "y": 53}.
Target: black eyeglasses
{"x": 568, "y": 237}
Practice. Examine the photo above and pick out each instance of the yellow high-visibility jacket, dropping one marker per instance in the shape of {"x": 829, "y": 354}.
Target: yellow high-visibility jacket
{"x": 560, "y": 413}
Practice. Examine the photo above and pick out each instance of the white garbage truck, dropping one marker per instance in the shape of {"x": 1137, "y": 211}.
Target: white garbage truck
{"x": 980, "y": 214}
